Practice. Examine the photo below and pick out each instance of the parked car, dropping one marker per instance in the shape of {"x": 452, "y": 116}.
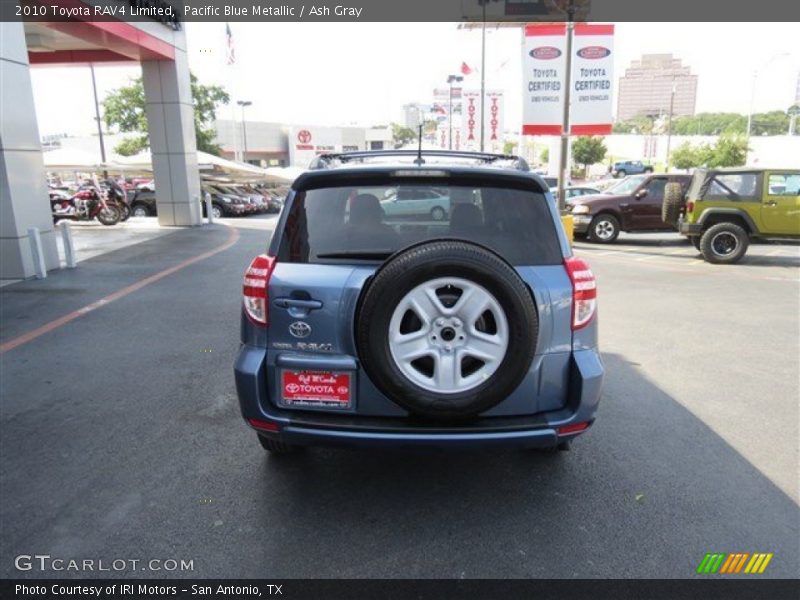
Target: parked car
{"x": 725, "y": 208}
{"x": 633, "y": 205}
{"x": 630, "y": 167}
{"x": 416, "y": 203}
{"x": 479, "y": 328}
{"x": 578, "y": 191}
{"x": 144, "y": 205}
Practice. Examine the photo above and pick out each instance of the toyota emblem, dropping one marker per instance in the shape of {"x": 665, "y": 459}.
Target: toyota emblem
{"x": 300, "y": 329}
{"x": 304, "y": 136}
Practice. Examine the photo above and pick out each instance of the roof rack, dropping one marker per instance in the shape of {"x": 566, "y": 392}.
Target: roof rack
{"x": 327, "y": 161}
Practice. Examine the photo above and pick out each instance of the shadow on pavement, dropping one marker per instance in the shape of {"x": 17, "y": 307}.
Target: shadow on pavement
{"x": 645, "y": 493}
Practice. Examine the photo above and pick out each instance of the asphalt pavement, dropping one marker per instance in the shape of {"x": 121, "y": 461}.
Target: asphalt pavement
{"x": 120, "y": 434}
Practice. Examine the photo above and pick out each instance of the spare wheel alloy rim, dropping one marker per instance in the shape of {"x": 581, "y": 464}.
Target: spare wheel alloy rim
{"x": 448, "y": 335}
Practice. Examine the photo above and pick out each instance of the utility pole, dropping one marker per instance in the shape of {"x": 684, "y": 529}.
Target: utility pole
{"x": 99, "y": 122}
{"x": 669, "y": 122}
{"x": 563, "y": 167}
{"x": 483, "y": 69}
{"x": 244, "y": 104}
{"x": 450, "y": 80}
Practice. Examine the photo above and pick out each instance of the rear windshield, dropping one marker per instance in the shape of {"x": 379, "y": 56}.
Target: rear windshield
{"x": 371, "y": 223}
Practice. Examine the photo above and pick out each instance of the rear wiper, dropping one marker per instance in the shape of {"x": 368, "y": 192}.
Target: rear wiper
{"x": 359, "y": 254}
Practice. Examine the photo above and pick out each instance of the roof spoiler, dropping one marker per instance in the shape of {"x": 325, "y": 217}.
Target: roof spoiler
{"x": 327, "y": 161}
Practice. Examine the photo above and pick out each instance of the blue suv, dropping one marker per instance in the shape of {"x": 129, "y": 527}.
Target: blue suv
{"x": 477, "y": 327}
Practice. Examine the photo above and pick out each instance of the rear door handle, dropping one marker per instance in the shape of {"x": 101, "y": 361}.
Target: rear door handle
{"x": 298, "y": 307}
{"x": 771, "y": 203}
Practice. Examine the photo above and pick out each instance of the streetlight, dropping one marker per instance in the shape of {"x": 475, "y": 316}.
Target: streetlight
{"x": 243, "y": 104}
{"x": 669, "y": 120}
{"x": 450, "y": 80}
{"x": 753, "y": 91}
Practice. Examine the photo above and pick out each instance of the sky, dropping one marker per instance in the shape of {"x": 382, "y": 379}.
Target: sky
{"x": 363, "y": 73}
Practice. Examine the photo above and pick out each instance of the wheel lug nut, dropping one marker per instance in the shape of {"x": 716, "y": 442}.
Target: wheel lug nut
{"x": 439, "y": 322}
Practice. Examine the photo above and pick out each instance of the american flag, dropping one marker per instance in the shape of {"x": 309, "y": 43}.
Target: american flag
{"x": 230, "y": 52}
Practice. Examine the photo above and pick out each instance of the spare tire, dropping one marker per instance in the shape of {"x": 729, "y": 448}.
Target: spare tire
{"x": 673, "y": 203}
{"x": 446, "y": 329}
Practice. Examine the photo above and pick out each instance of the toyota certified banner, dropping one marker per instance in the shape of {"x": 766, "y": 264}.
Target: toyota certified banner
{"x": 544, "y": 71}
{"x": 543, "y": 75}
{"x": 592, "y": 79}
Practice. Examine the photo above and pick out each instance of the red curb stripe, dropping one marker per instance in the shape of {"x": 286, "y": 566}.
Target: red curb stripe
{"x": 233, "y": 237}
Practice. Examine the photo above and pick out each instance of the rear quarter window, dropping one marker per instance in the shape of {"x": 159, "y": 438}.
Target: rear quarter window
{"x": 352, "y": 223}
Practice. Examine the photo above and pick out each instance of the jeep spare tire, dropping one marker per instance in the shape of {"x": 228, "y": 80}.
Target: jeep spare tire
{"x": 446, "y": 329}
{"x": 673, "y": 203}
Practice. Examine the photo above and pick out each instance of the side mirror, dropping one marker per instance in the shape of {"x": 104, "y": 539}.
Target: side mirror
{"x": 641, "y": 194}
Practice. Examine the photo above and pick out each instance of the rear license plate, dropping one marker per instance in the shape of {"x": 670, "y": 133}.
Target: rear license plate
{"x": 316, "y": 389}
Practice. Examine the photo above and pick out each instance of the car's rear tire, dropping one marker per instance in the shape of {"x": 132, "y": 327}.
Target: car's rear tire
{"x": 673, "y": 203}
{"x": 604, "y": 229}
{"x": 446, "y": 329}
{"x": 438, "y": 213}
{"x": 724, "y": 243}
{"x": 621, "y": 173}
{"x": 276, "y": 447}
{"x": 140, "y": 210}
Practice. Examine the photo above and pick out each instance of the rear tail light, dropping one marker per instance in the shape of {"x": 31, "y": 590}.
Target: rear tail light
{"x": 264, "y": 425}
{"x": 256, "y": 279}
{"x": 689, "y": 207}
{"x": 584, "y": 291}
{"x": 573, "y": 428}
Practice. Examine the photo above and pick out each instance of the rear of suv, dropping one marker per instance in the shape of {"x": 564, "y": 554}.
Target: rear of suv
{"x": 725, "y": 208}
{"x": 363, "y": 328}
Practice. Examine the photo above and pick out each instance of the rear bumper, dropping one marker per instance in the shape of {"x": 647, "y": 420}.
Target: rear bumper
{"x": 689, "y": 228}
{"x": 327, "y": 429}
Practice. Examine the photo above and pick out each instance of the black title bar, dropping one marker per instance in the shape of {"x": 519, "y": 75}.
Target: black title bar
{"x": 493, "y": 11}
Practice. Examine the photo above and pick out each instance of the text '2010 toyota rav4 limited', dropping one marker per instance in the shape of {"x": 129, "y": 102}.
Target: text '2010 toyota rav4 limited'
{"x": 476, "y": 327}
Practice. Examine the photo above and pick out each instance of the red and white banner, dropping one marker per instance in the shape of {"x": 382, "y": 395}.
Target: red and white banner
{"x": 592, "y": 79}
{"x": 493, "y": 117}
{"x": 544, "y": 74}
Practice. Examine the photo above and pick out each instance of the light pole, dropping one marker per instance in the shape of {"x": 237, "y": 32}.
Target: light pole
{"x": 753, "y": 93}
{"x": 563, "y": 167}
{"x": 450, "y": 80}
{"x": 669, "y": 121}
{"x": 243, "y": 104}
{"x": 483, "y": 67}
{"x": 99, "y": 122}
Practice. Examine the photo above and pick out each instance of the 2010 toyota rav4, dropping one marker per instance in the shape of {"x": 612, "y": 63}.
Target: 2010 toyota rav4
{"x": 477, "y": 327}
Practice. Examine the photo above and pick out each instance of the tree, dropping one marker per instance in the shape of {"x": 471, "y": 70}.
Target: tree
{"x": 545, "y": 156}
{"x": 641, "y": 124}
{"x": 588, "y": 151}
{"x": 509, "y": 147}
{"x": 687, "y": 156}
{"x": 125, "y": 109}
{"x": 729, "y": 151}
{"x": 403, "y": 135}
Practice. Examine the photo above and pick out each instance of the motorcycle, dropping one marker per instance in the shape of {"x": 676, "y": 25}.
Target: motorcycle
{"x": 116, "y": 195}
{"x": 86, "y": 205}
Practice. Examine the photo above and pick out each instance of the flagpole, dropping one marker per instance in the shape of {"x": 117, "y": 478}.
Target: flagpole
{"x": 230, "y": 60}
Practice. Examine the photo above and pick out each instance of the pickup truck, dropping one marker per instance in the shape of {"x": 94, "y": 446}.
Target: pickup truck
{"x": 630, "y": 167}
